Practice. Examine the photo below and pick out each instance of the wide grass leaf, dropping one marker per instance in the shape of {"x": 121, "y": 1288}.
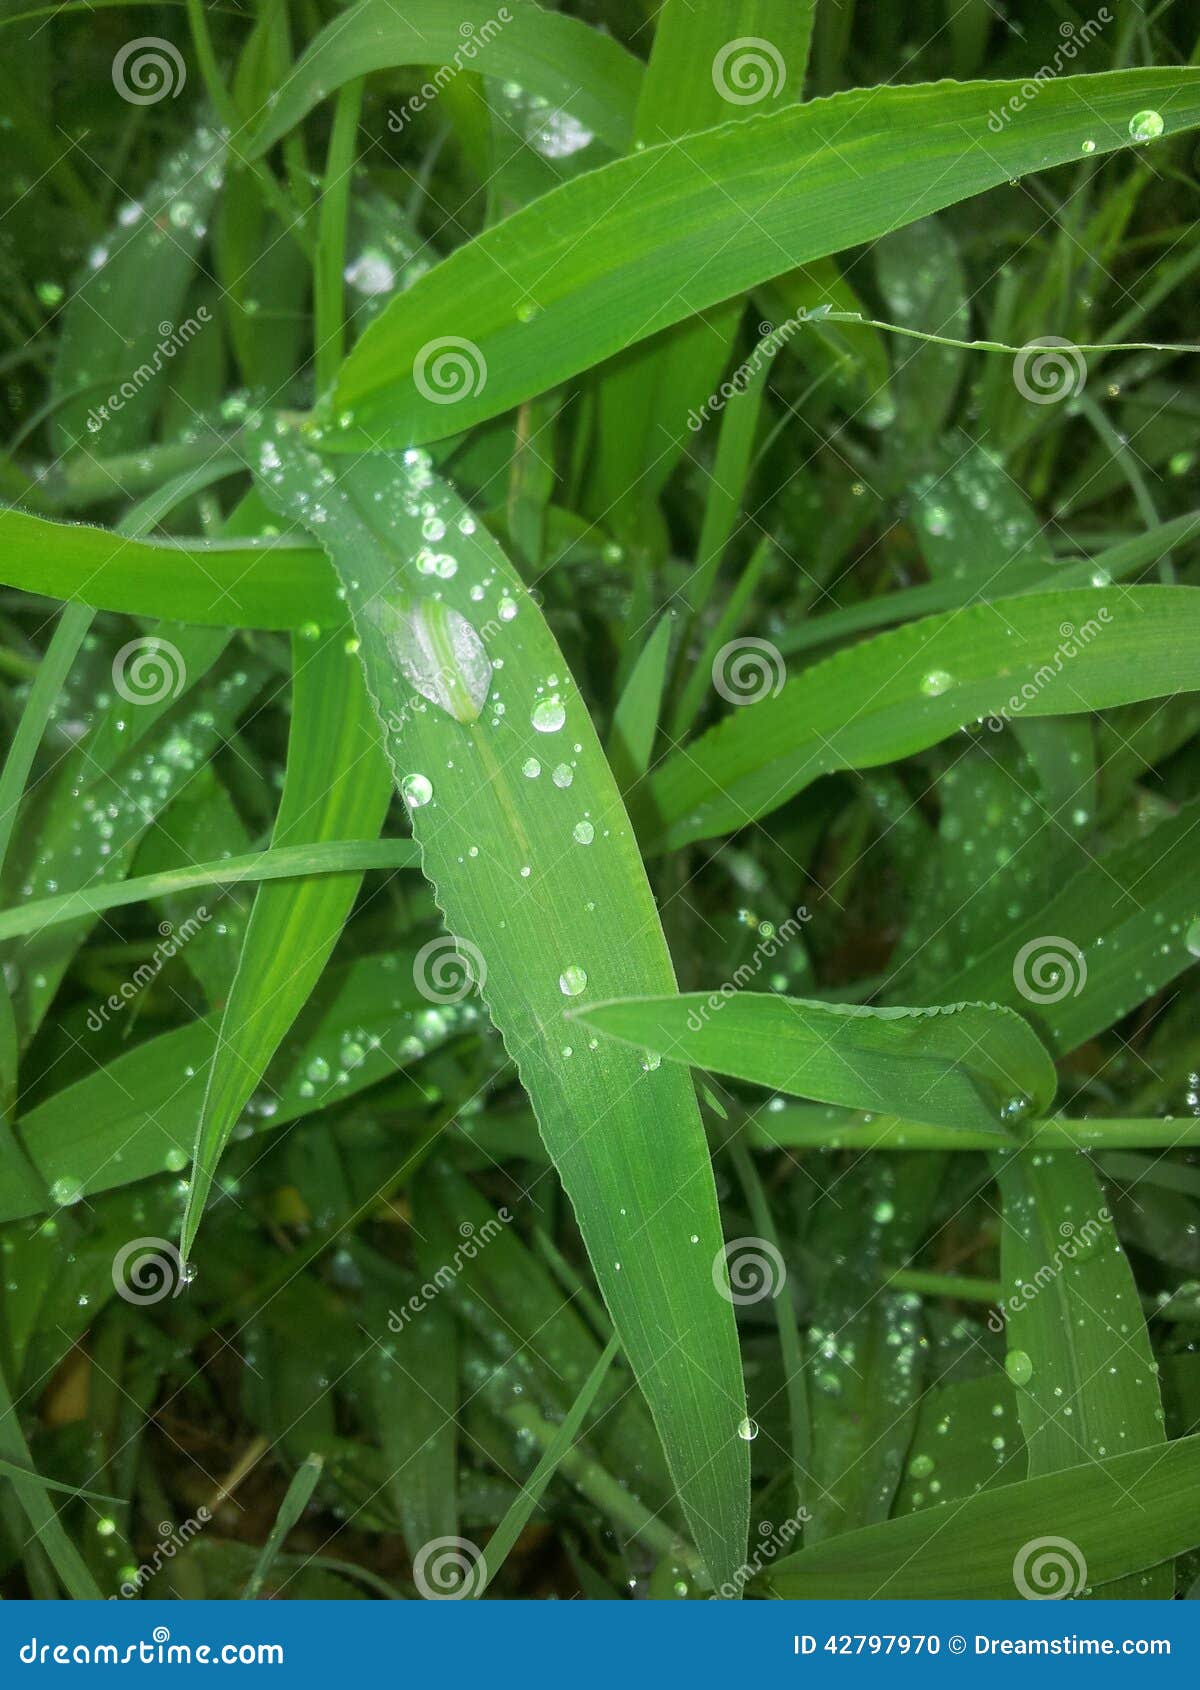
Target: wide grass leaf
{"x": 277, "y": 583}
{"x": 1120, "y": 1515}
{"x": 959, "y": 1067}
{"x": 626, "y": 251}
{"x": 1051, "y": 654}
{"x": 533, "y": 861}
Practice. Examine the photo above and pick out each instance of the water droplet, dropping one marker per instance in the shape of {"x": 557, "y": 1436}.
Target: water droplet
{"x": 936, "y": 682}
{"x": 572, "y": 981}
{"x": 563, "y": 775}
{"x": 66, "y": 1191}
{"x": 1145, "y": 126}
{"x": 416, "y": 790}
{"x": 548, "y": 715}
{"x": 1192, "y": 938}
{"x": 1019, "y": 1367}
{"x": 747, "y": 1430}
{"x": 583, "y": 833}
{"x": 531, "y": 768}
{"x": 439, "y": 653}
{"x": 1089, "y": 146}
{"x": 921, "y": 1466}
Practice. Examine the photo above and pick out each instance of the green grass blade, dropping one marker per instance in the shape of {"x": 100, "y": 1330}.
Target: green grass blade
{"x": 1051, "y": 654}
{"x": 336, "y": 785}
{"x": 959, "y": 1067}
{"x": 1079, "y": 1354}
{"x": 296, "y": 1500}
{"x": 1120, "y": 1515}
{"x": 635, "y": 720}
{"x": 541, "y": 884}
{"x": 500, "y": 1544}
{"x": 285, "y": 862}
{"x": 68, "y": 635}
{"x": 30, "y": 1492}
{"x": 624, "y": 252}
{"x": 576, "y": 68}
{"x": 279, "y": 583}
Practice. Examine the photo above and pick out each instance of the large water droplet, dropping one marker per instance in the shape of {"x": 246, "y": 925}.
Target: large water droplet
{"x": 416, "y": 790}
{"x": 747, "y": 1430}
{"x": 66, "y": 1191}
{"x": 439, "y": 653}
{"x": 1019, "y": 1367}
{"x": 1145, "y": 126}
{"x": 936, "y": 682}
{"x": 583, "y": 833}
{"x": 572, "y": 981}
{"x": 548, "y": 715}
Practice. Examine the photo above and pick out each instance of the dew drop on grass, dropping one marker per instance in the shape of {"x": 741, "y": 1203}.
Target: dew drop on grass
{"x": 1145, "y": 126}
{"x": 416, "y": 790}
{"x": 1019, "y": 1367}
{"x": 563, "y": 775}
{"x": 936, "y": 682}
{"x": 66, "y": 1191}
{"x": 583, "y": 833}
{"x": 1089, "y": 146}
{"x": 572, "y": 981}
{"x": 439, "y": 653}
{"x": 531, "y": 768}
{"x": 921, "y": 1466}
{"x": 1192, "y": 938}
{"x": 747, "y": 1430}
{"x": 548, "y": 715}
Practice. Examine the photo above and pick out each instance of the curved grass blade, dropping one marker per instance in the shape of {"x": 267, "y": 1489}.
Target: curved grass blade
{"x": 576, "y": 68}
{"x": 624, "y": 252}
{"x": 959, "y": 1067}
{"x": 296, "y": 1500}
{"x": 1051, "y": 654}
{"x": 277, "y": 583}
{"x": 70, "y": 1566}
{"x": 283, "y": 862}
{"x": 336, "y": 785}
{"x": 1121, "y": 1515}
{"x": 1085, "y": 1376}
{"x": 542, "y": 888}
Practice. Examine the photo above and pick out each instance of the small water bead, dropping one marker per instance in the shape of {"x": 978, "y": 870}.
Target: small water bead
{"x": 572, "y": 981}
{"x": 507, "y": 609}
{"x": 747, "y": 1430}
{"x": 1089, "y": 146}
{"x": 531, "y": 768}
{"x": 936, "y": 682}
{"x": 1019, "y": 1367}
{"x": 548, "y": 715}
{"x": 921, "y": 1466}
{"x": 416, "y": 790}
{"x": 66, "y": 1191}
{"x": 1145, "y": 126}
{"x": 583, "y": 833}
{"x": 1192, "y": 938}
{"x": 563, "y": 775}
